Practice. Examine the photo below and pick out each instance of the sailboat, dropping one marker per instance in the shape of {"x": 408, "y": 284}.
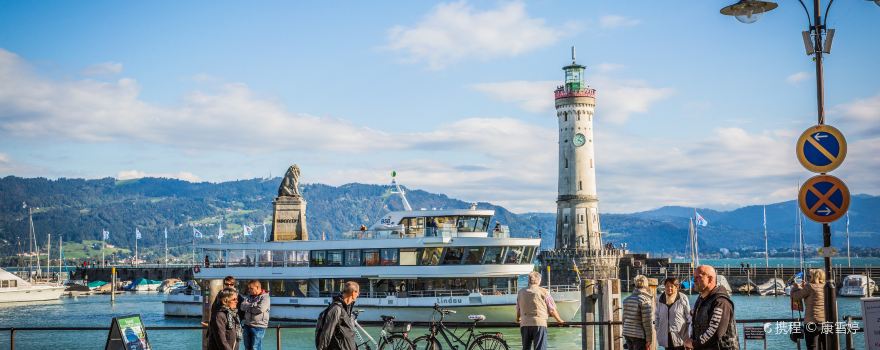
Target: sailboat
{"x": 16, "y": 289}
{"x": 694, "y": 247}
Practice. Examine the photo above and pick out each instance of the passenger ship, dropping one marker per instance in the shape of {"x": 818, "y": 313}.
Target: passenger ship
{"x": 405, "y": 264}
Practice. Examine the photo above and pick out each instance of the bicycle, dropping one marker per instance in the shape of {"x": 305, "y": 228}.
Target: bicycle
{"x": 391, "y": 337}
{"x": 470, "y": 339}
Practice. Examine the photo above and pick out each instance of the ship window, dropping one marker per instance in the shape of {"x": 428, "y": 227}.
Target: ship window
{"x": 473, "y": 223}
{"x": 265, "y": 257}
{"x": 389, "y": 257}
{"x": 4, "y": 284}
{"x": 566, "y": 163}
{"x": 297, "y": 258}
{"x": 408, "y": 257}
{"x": 318, "y": 257}
{"x": 529, "y": 255}
{"x": 493, "y": 255}
{"x": 278, "y": 258}
{"x": 473, "y": 256}
{"x": 236, "y": 258}
{"x": 334, "y": 258}
{"x": 371, "y": 257}
{"x": 431, "y": 256}
{"x": 352, "y": 258}
{"x": 415, "y": 227}
{"x": 453, "y": 256}
{"x": 580, "y": 185}
{"x": 514, "y": 254}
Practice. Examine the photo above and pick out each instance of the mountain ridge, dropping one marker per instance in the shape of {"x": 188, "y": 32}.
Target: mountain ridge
{"x": 79, "y": 209}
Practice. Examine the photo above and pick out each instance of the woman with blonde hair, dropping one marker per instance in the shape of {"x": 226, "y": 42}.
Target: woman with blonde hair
{"x": 813, "y": 295}
{"x": 638, "y": 316}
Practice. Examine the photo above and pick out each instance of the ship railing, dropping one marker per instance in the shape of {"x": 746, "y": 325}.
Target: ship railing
{"x": 438, "y": 293}
{"x": 563, "y": 288}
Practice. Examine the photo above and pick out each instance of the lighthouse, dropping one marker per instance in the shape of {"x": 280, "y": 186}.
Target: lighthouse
{"x": 577, "y": 216}
{"x": 578, "y": 252}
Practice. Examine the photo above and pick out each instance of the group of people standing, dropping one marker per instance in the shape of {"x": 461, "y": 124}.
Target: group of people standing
{"x": 671, "y": 321}
{"x": 238, "y": 318}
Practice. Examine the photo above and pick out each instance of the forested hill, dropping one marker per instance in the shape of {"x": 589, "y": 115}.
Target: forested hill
{"x": 79, "y": 209}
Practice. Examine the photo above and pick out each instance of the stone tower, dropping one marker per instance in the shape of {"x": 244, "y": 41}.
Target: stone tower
{"x": 578, "y": 233}
{"x": 577, "y": 206}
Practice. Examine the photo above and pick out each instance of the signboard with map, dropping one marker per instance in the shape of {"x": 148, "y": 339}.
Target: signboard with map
{"x": 127, "y": 333}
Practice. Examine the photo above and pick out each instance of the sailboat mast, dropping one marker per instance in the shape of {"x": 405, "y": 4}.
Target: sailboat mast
{"x": 48, "y": 254}
{"x": 30, "y": 242}
{"x": 60, "y": 256}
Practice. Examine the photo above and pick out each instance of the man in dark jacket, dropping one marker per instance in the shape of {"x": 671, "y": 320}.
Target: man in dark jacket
{"x": 714, "y": 323}
{"x": 335, "y": 327}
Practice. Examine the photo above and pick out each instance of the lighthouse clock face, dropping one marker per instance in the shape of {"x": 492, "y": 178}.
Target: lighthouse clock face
{"x": 579, "y": 140}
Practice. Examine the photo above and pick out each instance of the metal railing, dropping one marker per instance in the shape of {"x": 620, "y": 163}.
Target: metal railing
{"x": 278, "y": 328}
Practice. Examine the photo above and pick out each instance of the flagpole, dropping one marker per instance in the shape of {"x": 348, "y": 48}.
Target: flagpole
{"x": 135, "y": 262}
{"x": 766, "y": 249}
{"x": 103, "y": 246}
{"x": 166, "y": 247}
{"x": 696, "y": 240}
{"x": 848, "y": 258}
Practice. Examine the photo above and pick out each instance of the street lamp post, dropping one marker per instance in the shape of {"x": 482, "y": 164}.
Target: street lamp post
{"x": 749, "y": 11}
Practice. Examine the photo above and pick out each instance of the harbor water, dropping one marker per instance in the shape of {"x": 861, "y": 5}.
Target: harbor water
{"x": 97, "y": 311}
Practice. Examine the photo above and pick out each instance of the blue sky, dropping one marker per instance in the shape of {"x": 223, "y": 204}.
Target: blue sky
{"x": 693, "y": 108}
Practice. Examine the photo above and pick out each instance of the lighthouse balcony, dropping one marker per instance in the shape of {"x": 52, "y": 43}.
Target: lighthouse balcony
{"x": 564, "y": 92}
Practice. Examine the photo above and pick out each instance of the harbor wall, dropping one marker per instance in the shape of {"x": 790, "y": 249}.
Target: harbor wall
{"x": 127, "y": 273}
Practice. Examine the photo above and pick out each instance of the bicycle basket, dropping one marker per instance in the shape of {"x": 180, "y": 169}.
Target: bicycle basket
{"x": 400, "y": 328}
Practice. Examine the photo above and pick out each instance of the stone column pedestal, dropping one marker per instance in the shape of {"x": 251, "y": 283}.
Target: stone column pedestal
{"x": 289, "y": 219}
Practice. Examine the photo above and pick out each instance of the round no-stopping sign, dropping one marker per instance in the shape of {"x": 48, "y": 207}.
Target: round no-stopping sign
{"x": 821, "y": 148}
{"x": 824, "y": 198}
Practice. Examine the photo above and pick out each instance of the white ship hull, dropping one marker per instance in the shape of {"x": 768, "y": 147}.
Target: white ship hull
{"x": 500, "y": 308}
{"x": 30, "y": 293}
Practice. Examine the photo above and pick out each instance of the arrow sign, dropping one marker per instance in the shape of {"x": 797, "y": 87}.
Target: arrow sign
{"x": 824, "y": 198}
{"x": 821, "y": 148}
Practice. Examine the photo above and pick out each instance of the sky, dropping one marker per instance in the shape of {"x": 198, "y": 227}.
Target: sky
{"x": 693, "y": 108}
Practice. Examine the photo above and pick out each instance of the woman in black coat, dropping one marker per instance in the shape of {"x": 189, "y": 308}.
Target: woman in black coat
{"x": 224, "y": 329}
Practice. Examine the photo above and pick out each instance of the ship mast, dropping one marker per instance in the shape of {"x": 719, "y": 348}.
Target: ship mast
{"x": 397, "y": 190}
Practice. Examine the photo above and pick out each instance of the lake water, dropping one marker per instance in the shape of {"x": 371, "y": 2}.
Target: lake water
{"x": 97, "y": 311}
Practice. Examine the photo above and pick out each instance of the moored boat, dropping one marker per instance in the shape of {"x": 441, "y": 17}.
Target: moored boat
{"x": 15, "y": 289}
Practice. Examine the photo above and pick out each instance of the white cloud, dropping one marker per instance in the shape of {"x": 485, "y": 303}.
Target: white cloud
{"x": 106, "y": 68}
{"x": 617, "y": 100}
{"x": 866, "y": 110}
{"x": 137, "y": 174}
{"x": 532, "y": 96}
{"x": 452, "y": 32}
{"x": 4, "y": 158}
{"x": 798, "y": 77}
{"x": 616, "y": 21}
{"x": 224, "y": 117}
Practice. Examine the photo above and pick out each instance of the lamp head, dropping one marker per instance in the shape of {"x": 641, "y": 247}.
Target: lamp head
{"x": 749, "y": 11}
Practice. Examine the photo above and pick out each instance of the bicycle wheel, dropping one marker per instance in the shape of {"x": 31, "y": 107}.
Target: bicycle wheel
{"x": 488, "y": 342}
{"x": 396, "y": 342}
{"x": 425, "y": 343}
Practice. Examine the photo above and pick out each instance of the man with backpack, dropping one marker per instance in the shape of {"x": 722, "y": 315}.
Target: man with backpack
{"x": 714, "y": 323}
{"x": 335, "y": 327}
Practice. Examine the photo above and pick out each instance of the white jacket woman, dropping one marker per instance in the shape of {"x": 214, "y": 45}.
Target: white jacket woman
{"x": 673, "y": 321}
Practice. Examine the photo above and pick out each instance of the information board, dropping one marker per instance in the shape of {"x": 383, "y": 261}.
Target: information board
{"x": 871, "y": 319}
{"x": 127, "y": 333}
